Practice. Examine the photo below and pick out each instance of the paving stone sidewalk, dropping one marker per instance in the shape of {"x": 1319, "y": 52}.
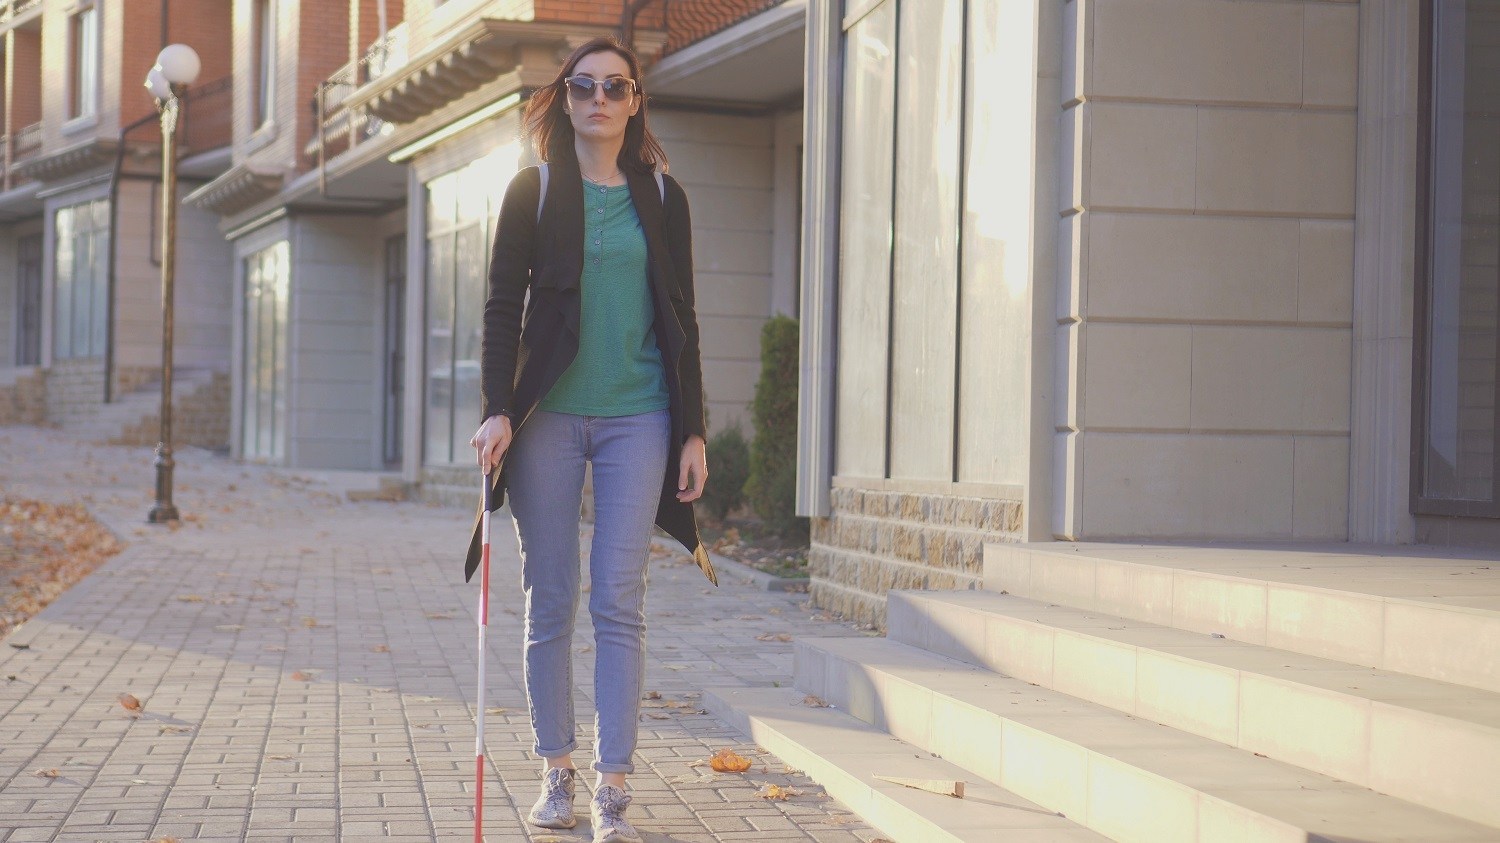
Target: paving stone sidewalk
{"x": 307, "y": 671}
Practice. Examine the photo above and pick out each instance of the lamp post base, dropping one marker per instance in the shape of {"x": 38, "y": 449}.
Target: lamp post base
{"x": 164, "y": 510}
{"x": 162, "y": 514}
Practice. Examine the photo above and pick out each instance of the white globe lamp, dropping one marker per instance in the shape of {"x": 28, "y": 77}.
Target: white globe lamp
{"x": 179, "y": 64}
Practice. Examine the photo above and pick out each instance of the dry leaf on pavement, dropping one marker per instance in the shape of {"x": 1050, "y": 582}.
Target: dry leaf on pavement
{"x": 728, "y": 761}
{"x": 380, "y": 648}
{"x": 777, "y": 636}
{"x": 814, "y": 701}
{"x": 129, "y": 702}
{"x": 50, "y": 773}
{"x": 777, "y": 792}
{"x": 301, "y": 676}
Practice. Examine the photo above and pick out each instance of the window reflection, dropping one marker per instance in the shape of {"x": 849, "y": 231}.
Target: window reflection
{"x": 80, "y": 273}
{"x": 263, "y": 416}
{"x": 1464, "y": 214}
{"x": 461, "y": 210}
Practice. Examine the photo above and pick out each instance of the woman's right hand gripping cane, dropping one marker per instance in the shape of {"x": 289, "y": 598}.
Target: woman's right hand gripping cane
{"x": 491, "y": 441}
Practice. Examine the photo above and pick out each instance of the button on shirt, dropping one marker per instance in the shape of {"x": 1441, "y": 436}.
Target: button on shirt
{"x": 618, "y": 370}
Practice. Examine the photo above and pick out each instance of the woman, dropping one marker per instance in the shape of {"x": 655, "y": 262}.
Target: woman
{"x": 603, "y": 369}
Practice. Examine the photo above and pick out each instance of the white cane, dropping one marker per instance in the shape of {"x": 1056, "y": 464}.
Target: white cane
{"x": 484, "y": 623}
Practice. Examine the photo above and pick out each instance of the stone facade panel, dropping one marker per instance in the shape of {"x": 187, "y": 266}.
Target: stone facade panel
{"x": 877, "y": 540}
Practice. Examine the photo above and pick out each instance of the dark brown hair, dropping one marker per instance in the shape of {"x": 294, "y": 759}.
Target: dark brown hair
{"x": 550, "y": 129}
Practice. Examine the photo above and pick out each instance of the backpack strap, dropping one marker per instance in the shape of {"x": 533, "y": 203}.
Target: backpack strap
{"x": 541, "y": 198}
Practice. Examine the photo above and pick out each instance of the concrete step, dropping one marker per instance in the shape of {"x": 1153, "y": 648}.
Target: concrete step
{"x": 106, "y": 421}
{"x": 844, "y": 754}
{"x": 1429, "y": 742}
{"x": 1416, "y": 611}
{"x": 1127, "y": 778}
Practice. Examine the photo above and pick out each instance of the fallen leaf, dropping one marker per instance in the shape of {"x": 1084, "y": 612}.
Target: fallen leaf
{"x": 814, "y": 701}
{"x": 301, "y": 676}
{"x": 652, "y": 695}
{"x": 728, "y": 761}
{"x": 494, "y": 711}
{"x": 750, "y": 617}
{"x": 380, "y": 648}
{"x": 310, "y": 623}
{"x": 654, "y": 716}
{"x": 174, "y": 730}
{"x": 778, "y": 636}
{"x": 280, "y": 757}
{"x": 129, "y": 702}
{"x": 190, "y": 598}
{"x": 51, "y": 773}
{"x": 777, "y": 792}
{"x": 439, "y": 616}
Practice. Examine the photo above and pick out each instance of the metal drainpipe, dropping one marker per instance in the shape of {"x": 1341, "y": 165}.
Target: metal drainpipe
{"x": 114, "y": 240}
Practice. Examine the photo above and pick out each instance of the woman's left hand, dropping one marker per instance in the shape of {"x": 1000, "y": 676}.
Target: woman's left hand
{"x": 693, "y": 473}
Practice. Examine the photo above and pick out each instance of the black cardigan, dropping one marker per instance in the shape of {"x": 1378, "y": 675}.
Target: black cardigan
{"x": 530, "y": 340}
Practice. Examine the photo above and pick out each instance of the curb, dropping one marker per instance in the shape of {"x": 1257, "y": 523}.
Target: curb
{"x": 746, "y": 574}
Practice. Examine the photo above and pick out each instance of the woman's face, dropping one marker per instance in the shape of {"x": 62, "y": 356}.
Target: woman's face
{"x": 600, "y": 118}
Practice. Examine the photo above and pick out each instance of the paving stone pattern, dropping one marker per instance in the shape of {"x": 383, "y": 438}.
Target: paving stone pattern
{"x": 307, "y": 672}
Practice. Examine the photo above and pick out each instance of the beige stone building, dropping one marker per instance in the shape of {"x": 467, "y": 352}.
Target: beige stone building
{"x": 1148, "y": 404}
{"x": 1144, "y": 269}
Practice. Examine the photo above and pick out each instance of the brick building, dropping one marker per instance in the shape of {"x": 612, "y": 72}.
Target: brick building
{"x": 80, "y": 332}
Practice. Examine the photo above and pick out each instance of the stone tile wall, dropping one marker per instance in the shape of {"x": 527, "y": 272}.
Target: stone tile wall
{"x": 201, "y": 419}
{"x": 24, "y": 401}
{"x": 74, "y": 388}
{"x": 879, "y": 540}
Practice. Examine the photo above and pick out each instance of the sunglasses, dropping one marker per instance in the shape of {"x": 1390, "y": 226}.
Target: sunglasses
{"x": 616, "y": 88}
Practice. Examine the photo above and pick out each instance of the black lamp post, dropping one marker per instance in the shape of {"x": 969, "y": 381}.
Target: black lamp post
{"x": 176, "y": 67}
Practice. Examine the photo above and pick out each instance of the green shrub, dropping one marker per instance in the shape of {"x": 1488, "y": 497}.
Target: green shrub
{"x": 772, "y": 487}
{"x": 729, "y": 468}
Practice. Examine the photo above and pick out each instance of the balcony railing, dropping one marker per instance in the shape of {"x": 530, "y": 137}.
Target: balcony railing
{"x": 27, "y": 141}
{"x": 207, "y": 121}
{"x": 15, "y": 8}
{"x": 687, "y": 22}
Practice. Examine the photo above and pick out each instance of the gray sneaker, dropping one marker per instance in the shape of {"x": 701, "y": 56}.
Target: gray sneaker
{"x": 554, "y": 807}
{"x": 608, "y": 811}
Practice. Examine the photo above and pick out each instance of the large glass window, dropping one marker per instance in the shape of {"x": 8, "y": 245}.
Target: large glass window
{"x": 462, "y": 207}
{"x": 29, "y": 300}
{"x": 868, "y": 159}
{"x": 263, "y": 25}
{"x": 80, "y": 294}
{"x": 83, "y": 46}
{"x": 1463, "y": 259}
{"x": 267, "y": 285}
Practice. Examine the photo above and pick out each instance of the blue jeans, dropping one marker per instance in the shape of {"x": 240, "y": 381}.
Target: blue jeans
{"x": 545, "y": 469}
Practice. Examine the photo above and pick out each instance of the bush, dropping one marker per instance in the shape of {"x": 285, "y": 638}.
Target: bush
{"x": 772, "y": 487}
{"x": 729, "y": 467}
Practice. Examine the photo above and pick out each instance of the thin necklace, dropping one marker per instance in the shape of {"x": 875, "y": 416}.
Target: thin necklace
{"x": 600, "y": 181}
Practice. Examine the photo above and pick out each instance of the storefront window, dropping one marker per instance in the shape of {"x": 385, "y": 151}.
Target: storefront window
{"x": 868, "y": 156}
{"x": 80, "y": 303}
{"x": 1463, "y": 239}
{"x": 461, "y": 210}
{"x": 267, "y": 285}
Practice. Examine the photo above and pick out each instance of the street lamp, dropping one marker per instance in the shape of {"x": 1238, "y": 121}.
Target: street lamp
{"x": 176, "y": 67}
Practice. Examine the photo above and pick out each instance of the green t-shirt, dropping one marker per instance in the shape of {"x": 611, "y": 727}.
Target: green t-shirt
{"x": 618, "y": 370}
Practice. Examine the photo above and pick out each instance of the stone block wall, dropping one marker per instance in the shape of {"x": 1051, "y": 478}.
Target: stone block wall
{"x": 200, "y": 418}
{"x": 24, "y": 399}
{"x": 74, "y": 388}
{"x": 877, "y": 540}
